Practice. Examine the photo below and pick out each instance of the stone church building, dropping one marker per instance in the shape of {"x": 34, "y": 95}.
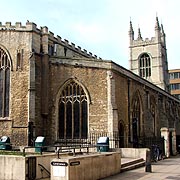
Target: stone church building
{"x": 52, "y": 88}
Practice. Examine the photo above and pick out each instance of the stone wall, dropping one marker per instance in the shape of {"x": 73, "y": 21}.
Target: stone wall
{"x": 15, "y": 125}
{"x": 93, "y": 80}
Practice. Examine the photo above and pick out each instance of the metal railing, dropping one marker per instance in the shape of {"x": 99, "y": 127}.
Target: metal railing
{"x": 92, "y": 139}
{"x": 43, "y": 169}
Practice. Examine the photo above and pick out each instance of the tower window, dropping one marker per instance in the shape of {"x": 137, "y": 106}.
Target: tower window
{"x": 145, "y": 66}
{"x": 4, "y": 83}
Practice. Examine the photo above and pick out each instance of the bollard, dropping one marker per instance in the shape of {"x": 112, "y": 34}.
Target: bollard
{"x": 148, "y": 167}
{"x": 148, "y": 161}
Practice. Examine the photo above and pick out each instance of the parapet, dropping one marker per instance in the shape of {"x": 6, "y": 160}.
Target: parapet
{"x": 72, "y": 46}
{"x": 30, "y": 26}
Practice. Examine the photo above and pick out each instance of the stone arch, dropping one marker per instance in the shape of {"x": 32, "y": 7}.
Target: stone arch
{"x": 149, "y": 54}
{"x": 72, "y": 110}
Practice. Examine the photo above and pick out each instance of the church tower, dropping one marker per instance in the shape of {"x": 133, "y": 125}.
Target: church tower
{"x": 148, "y": 57}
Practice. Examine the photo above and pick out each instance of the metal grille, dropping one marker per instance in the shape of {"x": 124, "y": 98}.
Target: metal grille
{"x": 31, "y": 168}
{"x": 149, "y": 142}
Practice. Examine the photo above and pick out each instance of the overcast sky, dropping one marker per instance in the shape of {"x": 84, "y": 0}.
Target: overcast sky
{"x": 100, "y": 26}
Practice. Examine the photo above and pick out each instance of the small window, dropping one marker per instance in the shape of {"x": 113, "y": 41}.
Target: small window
{"x": 51, "y": 50}
{"x": 171, "y": 76}
{"x": 19, "y": 60}
{"x": 65, "y": 51}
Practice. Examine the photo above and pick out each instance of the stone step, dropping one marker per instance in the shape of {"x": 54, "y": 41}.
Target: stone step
{"x": 133, "y": 164}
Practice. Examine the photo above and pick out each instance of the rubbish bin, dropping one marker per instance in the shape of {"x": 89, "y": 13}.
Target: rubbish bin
{"x": 5, "y": 143}
{"x": 39, "y": 143}
{"x": 103, "y": 144}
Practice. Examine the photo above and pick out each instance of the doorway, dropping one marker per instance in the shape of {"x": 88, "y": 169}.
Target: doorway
{"x": 170, "y": 143}
{"x": 135, "y": 132}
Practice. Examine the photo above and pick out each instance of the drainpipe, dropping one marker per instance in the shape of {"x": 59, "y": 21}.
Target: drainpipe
{"x": 31, "y": 95}
{"x": 44, "y": 92}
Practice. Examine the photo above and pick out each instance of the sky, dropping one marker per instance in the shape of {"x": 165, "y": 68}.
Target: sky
{"x": 100, "y": 26}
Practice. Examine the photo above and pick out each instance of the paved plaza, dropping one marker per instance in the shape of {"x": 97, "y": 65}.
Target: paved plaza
{"x": 168, "y": 169}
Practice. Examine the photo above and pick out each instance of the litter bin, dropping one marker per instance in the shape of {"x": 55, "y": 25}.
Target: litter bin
{"x": 5, "y": 143}
{"x": 103, "y": 144}
{"x": 39, "y": 143}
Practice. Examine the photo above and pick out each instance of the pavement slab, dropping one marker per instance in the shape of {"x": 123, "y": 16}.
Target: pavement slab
{"x": 167, "y": 169}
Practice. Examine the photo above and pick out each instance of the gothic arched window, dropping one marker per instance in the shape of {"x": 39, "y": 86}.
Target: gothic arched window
{"x": 4, "y": 83}
{"x": 145, "y": 66}
{"x": 136, "y": 116}
{"x": 73, "y": 112}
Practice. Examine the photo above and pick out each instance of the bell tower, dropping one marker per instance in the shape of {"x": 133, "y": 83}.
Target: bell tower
{"x": 148, "y": 57}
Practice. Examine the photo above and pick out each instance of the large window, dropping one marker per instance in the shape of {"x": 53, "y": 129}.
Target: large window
{"x": 145, "y": 66}
{"x": 4, "y": 83}
{"x": 175, "y": 86}
{"x": 174, "y": 75}
{"x": 73, "y": 112}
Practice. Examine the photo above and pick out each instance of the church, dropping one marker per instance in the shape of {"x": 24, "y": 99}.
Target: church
{"x": 50, "y": 87}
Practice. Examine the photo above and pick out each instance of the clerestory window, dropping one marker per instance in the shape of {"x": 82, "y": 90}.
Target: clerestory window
{"x": 73, "y": 112}
{"x": 4, "y": 83}
{"x": 145, "y": 66}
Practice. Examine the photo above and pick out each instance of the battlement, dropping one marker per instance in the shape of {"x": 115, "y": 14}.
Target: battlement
{"x": 147, "y": 41}
{"x": 30, "y": 26}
